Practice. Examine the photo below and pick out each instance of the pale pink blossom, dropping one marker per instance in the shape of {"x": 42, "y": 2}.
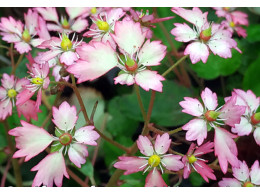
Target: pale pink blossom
{"x": 103, "y": 25}
{"x": 39, "y": 81}
{"x": 74, "y": 23}
{"x": 9, "y": 91}
{"x": 208, "y": 114}
{"x": 193, "y": 160}
{"x": 250, "y": 120}
{"x": 203, "y": 37}
{"x": 23, "y": 36}
{"x": 243, "y": 176}
{"x": 31, "y": 140}
{"x": 135, "y": 56}
{"x": 155, "y": 156}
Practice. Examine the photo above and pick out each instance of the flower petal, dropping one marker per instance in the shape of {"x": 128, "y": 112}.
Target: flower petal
{"x": 255, "y": 173}
{"x": 68, "y": 57}
{"x": 243, "y": 128}
{"x": 131, "y": 164}
{"x": 229, "y": 182}
{"x": 209, "y": 99}
{"x": 257, "y": 135}
{"x": 50, "y": 169}
{"x": 77, "y": 154}
{"x": 172, "y": 162}
{"x": 242, "y": 172}
{"x": 145, "y": 146}
{"x": 148, "y": 79}
{"x": 125, "y": 79}
{"x": 198, "y": 51}
{"x": 154, "y": 179}
{"x": 192, "y": 106}
{"x": 30, "y": 140}
{"x": 65, "y": 117}
{"x": 28, "y": 110}
{"x": 183, "y": 33}
{"x": 162, "y": 143}
{"x": 87, "y": 135}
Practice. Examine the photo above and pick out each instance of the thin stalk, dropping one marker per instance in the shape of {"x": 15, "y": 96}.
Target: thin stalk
{"x": 140, "y": 101}
{"x": 17, "y": 64}
{"x": 12, "y": 55}
{"x": 76, "y": 178}
{"x": 174, "y": 65}
{"x": 16, "y": 166}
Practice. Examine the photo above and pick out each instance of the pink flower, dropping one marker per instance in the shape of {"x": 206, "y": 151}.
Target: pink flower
{"x": 31, "y": 140}
{"x": 203, "y": 37}
{"x": 198, "y": 164}
{"x": 50, "y": 169}
{"x": 154, "y": 157}
{"x": 22, "y": 36}
{"x": 134, "y": 58}
{"x": 147, "y": 21}
{"x": 75, "y": 22}
{"x": 208, "y": 114}
{"x": 243, "y": 177}
{"x": 39, "y": 80}
{"x": 62, "y": 47}
{"x": 250, "y": 120}
{"x": 231, "y": 26}
{"x": 11, "y": 88}
{"x": 103, "y": 25}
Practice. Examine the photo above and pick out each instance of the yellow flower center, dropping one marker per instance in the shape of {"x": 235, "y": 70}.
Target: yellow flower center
{"x": 154, "y": 160}
{"x": 248, "y": 184}
{"x": 102, "y": 25}
{"x": 93, "y": 10}
{"x": 37, "y": 81}
{"x": 192, "y": 159}
{"x": 232, "y": 24}
{"x": 26, "y": 36}
{"x": 66, "y": 44}
{"x": 226, "y": 8}
{"x": 11, "y": 93}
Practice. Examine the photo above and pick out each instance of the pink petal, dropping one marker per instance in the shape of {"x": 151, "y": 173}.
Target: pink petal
{"x": 204, "y": 149}
{"x": 257, "y": 135}
{"x": 28, "y": 110}
{"x": 50, "y": 169}
{"x": 154, "y": 179}
{"x": 42, "y": 30}
{"x": 220, "y": 47}
{"x": 232, "y": 113}
{"x": 229, "y": 182}
{"x": 20, "y": 83}
{"x": 130, "y": 164}
{"x": 38, "y": 100}
{"x": 98, "y": 58}
{"x": 22, "y": 47}
{"x": 255, "y": 173}
{"x": 23, "y": 97}
{"x": 124, "y": 79}
{"x": 49, "y": 14}
{"x": 30, "y": 140}
{"x": 65, "y": 117}
{"x": 148, "y": 79}
{"x": 225, "y": 148}
{"x": 209, "y": 99}
{"x": 172, "y": 162}
{"x": 79, "y": 25}
{"x": 114, "y": 15}
{"x": 46, "y": 56}
{"x": 77, "y": 154}
{"x": 183, "y": 33}
{"x": 8, "y": 81}
{"x": 128, "y": 35}
{"x": 68, "y": 57}
{"x": 87, "y": 135}
{"x": 241, "y": 173}
{"x": 75, "y": 12}
{"x": 151, "y": 53}
{"x": 198, "y": 51}
{"x": 243, "y": 128}
{"x": 145, "y": 146}
{"x": 192, "y": 106}
{"x": 5, "y": 109}
{"x": 197, "y": 130}
{"x": 3, "y": 93}
{"x": 162, "y": 143}
{"x": 239, "y": 18}
{"x": 204, "y": 170}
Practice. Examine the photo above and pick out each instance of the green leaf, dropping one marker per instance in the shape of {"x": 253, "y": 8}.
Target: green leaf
{"x": 253, "y": 32}
{"x": 166, "y": 109}
{"x": 87, "y": 169}
{"x": 217, "y": 66}
{"x": 251, "y": 78}
{"x": 196, "y": 179}
{"x": 120, "y": 124}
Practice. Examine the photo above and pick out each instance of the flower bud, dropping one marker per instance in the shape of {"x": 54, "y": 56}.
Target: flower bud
{"x": 205, "y": 35}
{"x": 26, "y": 36}
{"x": 211, "y": 115}
{"x": 255, "y": 118}
{"x": 65, "y": 24}
{"x": 131, "y": 65}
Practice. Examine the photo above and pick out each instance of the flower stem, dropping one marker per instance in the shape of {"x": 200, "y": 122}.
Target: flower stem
{"x": 140, "y": 101}
{"x": 16, "y": 166}
{"x": 174, "y": 65}
{"x": 76, "y": 178}
{"x": 17, "y": 64}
